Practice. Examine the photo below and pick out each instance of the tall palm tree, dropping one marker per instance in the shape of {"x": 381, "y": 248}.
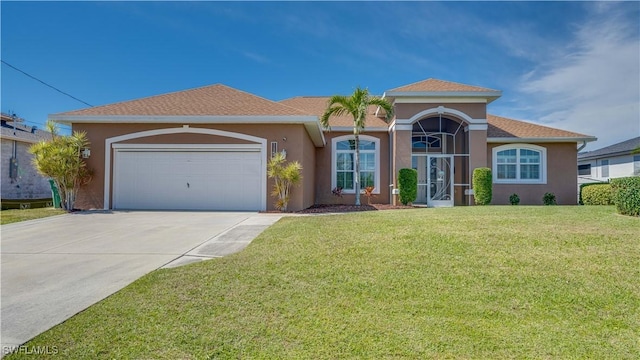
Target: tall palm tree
{"x": 356, "y": 105}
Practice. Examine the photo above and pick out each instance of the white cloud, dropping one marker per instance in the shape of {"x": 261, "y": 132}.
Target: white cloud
{"x": 594, "y": 87}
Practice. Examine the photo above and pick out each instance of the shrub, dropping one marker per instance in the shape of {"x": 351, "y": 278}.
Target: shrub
{"x": 549, "y": 199}
{"x": 514, "y": 199}
{"x": 482, "y": 186}
{"x": 584, "y": 186}
{"x": 408, "y": 184}
{"x": 368, "y": 192}
{"x": 626, "y": 195}
{"x": 597, "y": 194}
{"x": 284, "y": 176}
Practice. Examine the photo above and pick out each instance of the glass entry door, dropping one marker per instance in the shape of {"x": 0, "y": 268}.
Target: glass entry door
{"x": 435, "y": 179}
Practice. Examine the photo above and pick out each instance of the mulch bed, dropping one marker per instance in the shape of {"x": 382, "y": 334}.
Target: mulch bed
{"x": 328, "y": 208}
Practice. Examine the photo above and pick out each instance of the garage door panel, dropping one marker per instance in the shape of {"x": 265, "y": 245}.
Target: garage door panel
{"x": 189, "y": 180}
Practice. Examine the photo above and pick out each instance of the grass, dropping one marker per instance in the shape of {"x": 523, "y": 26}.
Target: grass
{"x": 468, "y": 282}
{"x": 15, "y": 215}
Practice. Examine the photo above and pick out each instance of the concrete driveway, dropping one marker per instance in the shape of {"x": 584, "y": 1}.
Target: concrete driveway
{"x": 55, "y": 267}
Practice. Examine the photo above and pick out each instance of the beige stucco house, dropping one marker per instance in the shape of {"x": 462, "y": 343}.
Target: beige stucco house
{"x": 207, "y": 148}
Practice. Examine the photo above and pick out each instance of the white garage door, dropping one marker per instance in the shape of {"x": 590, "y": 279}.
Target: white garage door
{"x": 188, "y": 179}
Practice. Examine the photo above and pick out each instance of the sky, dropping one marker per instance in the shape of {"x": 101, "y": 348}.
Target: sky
{"x": 569, "y": 65}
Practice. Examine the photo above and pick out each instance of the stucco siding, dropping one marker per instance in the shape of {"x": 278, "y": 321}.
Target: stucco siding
{"x": 324, "y": 168}
{"x": 619, "y": 166}
{"x": 29, "y": 183}
{"x": 561, "y": 178}
{"x": 475, "y": 111}
{"x": 91, "y": 196}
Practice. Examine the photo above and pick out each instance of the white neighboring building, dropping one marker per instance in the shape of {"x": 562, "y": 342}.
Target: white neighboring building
{"x": 20, "y": 180}
{"x": 614, "y": 161}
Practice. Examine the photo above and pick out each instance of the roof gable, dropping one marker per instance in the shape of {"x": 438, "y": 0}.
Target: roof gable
{"x": 435, "y": 85}
{"x": 213, "y": 100}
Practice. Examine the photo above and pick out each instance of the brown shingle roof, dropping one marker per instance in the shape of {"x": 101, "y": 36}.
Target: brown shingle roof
{"x": 316, "y": 105}
{"x": 213, "y": 100}
{"x": 435, "y": 85}
{"x": 501, "y": 127}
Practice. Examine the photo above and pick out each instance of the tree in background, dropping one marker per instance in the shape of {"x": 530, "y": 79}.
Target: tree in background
{"x": 61, "y": 160}
{"x": 356, "y": 105}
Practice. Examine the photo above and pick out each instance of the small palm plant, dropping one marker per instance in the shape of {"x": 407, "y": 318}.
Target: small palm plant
{"x": 285, "y": 176}
{"x": 61, "y": 160}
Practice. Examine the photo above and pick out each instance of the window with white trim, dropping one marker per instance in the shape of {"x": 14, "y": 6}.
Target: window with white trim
{"x": 520, "y": 163}
{"x": 343, "y": 163}
{"x": 584, "y": 170}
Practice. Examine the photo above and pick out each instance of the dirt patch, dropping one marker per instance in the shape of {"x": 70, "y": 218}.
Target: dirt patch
{"x": 328, "y": 208}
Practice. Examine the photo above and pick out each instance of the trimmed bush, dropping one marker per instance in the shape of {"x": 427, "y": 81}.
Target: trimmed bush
{"x": 482, "y": 186}
{"x": 597, "y": 194}
{"x": 408, "y": 185}
{"x": 549, "y": 199}
{"x": 626, "y": 195}
{"x": 584, "y": 186}
{"x": 514, "y": 199}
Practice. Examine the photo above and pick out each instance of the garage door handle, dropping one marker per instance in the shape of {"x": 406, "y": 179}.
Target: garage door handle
{"x": 187, "y": 185}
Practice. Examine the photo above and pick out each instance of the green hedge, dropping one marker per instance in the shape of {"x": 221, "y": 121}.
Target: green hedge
{"x": 597, "y": 194}
{"x": 584, "y": 186}
{"x": 408, "y": 184}
{"x": 482, "y": 186}
{"x": 626, "y": 195}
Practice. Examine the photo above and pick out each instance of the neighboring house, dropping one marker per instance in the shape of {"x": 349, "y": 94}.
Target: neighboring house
{"x": 207, "y": 148}
{"x": 20, "y": 180}
{"x": 614, "y": 161}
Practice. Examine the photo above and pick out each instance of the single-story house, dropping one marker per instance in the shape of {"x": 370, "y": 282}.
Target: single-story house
{"x": 207, "y": 148}
{"x": 614, "y": 161}
{"x": 22, "y": 185}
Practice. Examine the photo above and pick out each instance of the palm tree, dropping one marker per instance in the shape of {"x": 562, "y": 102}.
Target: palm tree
{"x": 357, "y": 105}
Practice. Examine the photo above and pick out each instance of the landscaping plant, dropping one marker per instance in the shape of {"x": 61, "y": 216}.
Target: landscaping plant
{"x": 597, "y": 194}
{"x": 408, "y": 184}
{"x": 482, "y": 185}
{"x": 583, "y": 187}
{"x": 368, "y": 192}
{"x": 357, "y": 105}
{"x": 285, "y": 176}
{"x": 60, "y": 159}
{"x": 626, "y": 195}
{"x": 514, "y": 199}
{"x": 549, "y": 199}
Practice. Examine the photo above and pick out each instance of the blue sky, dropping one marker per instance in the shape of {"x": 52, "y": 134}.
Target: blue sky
{"x": 571, "y": 65}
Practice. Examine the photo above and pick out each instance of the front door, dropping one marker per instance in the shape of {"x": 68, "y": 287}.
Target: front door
{"x": 435, "y": 179}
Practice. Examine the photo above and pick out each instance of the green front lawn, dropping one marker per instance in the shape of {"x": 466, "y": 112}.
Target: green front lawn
{"x": 16, "y": 215}
{"x": 468, "y": 282}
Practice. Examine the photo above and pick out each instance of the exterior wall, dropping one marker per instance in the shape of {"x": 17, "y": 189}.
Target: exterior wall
{"x": 297, "y": 142}
{"x": 619, "y": 166}
{"x": 478, "y": 151}
{"x": 561, "y": 178}
{"x": 474, "y": 110}
{"x": 323, "y": 168}
{"x": 401, "y": 156}
{"x": 29, "y": 184}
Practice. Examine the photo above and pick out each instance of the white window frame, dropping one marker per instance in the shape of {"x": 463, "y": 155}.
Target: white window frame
{"x": 334, "y": 157}
{"x": 517, "y": 180}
